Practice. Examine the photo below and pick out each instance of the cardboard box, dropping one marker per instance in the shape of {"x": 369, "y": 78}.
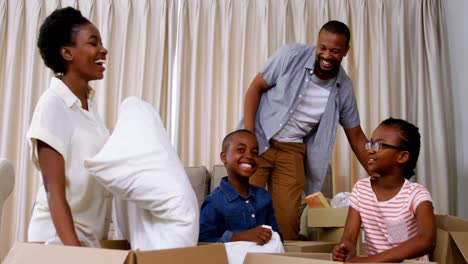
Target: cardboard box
{"x": 41, "y": 254}
{"x": 26, "y": 253}
{"x": 115, "y": 244}
{"x": 298, "y": 258}
{"x": 290, "y": 258}
{"x": 206, "y": 254}
{"x": 452, "y": 240}
{"x": 331, "y": 234}
{"x": 327, "y": 217}
{"x": 309, "y": 246}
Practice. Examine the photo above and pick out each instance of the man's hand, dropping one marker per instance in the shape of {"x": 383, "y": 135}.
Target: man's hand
{"x": 259, "y": 235}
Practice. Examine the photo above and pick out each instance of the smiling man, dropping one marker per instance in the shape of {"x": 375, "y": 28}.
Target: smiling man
{"x": 294, "y": 106}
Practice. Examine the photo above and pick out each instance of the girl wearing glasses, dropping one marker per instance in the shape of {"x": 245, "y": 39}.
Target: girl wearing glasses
{"x": 396, "y": 214}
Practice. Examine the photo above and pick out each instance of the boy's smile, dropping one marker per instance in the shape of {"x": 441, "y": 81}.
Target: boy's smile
{"x": 240, "y": 158}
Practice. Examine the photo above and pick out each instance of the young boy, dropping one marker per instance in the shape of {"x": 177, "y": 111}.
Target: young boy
{"x": 236, "y": 210}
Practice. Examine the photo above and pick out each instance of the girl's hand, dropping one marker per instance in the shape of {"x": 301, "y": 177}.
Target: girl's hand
{"x": 343, "y": 251}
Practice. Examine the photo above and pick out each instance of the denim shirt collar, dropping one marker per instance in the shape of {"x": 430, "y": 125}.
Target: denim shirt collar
{"x": 231, "y": 193}
{"x": 310, "y": 63}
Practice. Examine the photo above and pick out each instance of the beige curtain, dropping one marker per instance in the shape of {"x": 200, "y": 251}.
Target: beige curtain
{"x": 194, "y": 59}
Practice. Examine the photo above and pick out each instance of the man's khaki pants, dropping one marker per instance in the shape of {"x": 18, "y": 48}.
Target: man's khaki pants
{"x": 282, "y": 168}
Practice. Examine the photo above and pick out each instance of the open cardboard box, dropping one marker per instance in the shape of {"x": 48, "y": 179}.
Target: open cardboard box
{"x": 327, "y": 217}
{"x": 452, "y": 240}
{"x": 48, "y": 254}
{"x": 296, "y": 258}
{"x": 205, "y": 254}
{"x": 330, "y": 224}
{"x": 451, "y": 247}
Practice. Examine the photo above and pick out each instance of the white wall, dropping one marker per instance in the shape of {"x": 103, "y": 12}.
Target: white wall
{"x": 457, "y": 32}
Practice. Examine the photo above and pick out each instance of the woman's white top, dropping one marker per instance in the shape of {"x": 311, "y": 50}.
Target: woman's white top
{"x": 60, "y": 121}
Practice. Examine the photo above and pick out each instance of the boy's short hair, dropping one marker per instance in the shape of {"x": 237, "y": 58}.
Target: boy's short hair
{"x": 227, "y": 138}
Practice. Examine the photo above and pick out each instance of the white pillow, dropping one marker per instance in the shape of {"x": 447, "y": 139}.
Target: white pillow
{"x": 139, "y": 165}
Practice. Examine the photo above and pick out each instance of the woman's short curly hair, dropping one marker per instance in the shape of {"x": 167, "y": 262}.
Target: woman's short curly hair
{"x": 57, "y": 31}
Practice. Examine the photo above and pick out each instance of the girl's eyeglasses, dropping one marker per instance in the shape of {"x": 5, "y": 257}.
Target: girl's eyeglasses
{"x": 378, "y": 145}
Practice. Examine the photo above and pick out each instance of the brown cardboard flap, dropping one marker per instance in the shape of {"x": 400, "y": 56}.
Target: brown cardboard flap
{"x": 290, "y": 258}
{"x": 331, "y": 234}
{"x": 50, "y": 254}
{"x": 314, "y": 255}
{"x": 451, "y": 223}
{"x": 115, "y": 244}
{"x": 326, "y": 217}
{"x": 206, "y": 254}
{"x": 309, "y": 246}
{"x": 447, "y": 249}
{"x": 461, "y": 240}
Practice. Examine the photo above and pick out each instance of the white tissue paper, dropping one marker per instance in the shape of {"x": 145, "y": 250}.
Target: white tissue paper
{"x": 340, "y": 200}
{"x": 236, "y": 251}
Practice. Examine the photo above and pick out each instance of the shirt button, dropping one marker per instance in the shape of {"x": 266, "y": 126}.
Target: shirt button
{"x": 281, "y": 125}
{"x": 266, "y": 148}
{"x": 311, "y": 71}
{"x": 290, "y": 111}
{"x": 253, "y": 215}
{"x": 247, "y": 201}
{"x": 300, "y": 96}
{"x": 307, "y": 80}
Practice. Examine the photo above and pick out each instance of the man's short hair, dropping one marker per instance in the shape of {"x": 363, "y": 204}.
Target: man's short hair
{"x": 337, "y": 27}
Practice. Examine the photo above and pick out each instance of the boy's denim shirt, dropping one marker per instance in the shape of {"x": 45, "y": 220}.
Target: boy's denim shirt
{"x": 225, "y": 212}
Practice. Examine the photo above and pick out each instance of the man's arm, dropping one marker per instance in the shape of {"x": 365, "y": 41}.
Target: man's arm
{"x": 357, "y": 140}
{"x": 252, "y": 99}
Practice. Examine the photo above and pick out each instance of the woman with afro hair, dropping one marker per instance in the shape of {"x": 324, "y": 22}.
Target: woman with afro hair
{"x": 71, "y": 208}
